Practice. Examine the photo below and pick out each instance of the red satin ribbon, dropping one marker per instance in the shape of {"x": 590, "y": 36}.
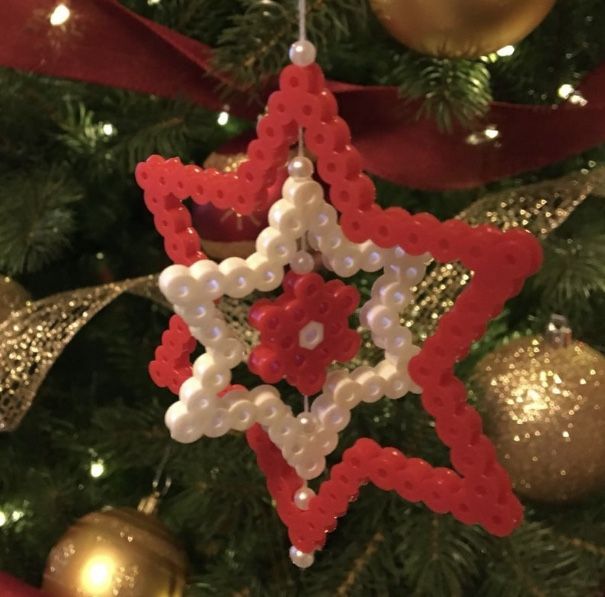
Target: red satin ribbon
{"x": 105, "y": 43}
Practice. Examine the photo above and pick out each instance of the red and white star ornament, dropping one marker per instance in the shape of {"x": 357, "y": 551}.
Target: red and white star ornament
{"x": 305, "y": 330}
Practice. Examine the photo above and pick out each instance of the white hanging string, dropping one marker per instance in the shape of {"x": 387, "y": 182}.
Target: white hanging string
{"x": 302, "y": 23}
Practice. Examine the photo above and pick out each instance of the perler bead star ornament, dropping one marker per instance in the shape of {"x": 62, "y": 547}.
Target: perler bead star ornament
{"x": 353, "y": 234}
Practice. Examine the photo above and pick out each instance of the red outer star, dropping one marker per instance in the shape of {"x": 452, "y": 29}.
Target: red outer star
{"x": 307, "y": 298}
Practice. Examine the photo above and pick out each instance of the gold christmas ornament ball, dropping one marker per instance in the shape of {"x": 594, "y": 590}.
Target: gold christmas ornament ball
{"x": 12, "y": 297}
{"x": 460, "y": 28}
{"x": 116, "y": 552}
{"x": 544, "y": 409}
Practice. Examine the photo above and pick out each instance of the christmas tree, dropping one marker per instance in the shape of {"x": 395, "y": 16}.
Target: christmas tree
{"x": 483, "y": 116}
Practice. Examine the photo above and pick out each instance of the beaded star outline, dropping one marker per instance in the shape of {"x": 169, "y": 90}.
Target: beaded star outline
{"x": 477, "y": 489}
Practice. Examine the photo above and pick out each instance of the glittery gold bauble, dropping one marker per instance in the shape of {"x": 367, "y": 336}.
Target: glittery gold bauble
{"x": 12, "y": 296}
{"x": 117, "y": 552}
{"x": 544, "y": 409}
{"x": 460, "y": 28}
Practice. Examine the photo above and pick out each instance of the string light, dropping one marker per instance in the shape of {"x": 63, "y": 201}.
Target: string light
{"x": 3, "y": 518}
{"x": 60, "y": 15}
{"x": 108, "y": 129}
{"x": 152, "y": 2}
{"x": 506, "y": 51}
{"x": 17, "y": 515}
{"x": 489, "y": 133}
{"x": 565, "y": 91}
{"x": 568, "y": 92}
{"x": 97, "y": 468}
{"x": 223, "y": 117}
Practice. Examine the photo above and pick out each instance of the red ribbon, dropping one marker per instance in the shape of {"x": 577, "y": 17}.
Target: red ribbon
{"x": 103, "y": 42}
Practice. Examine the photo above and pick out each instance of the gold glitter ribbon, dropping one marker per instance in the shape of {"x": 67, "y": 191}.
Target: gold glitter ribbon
{"x": 539, "y": 208}
{"x": 33, "y": 338}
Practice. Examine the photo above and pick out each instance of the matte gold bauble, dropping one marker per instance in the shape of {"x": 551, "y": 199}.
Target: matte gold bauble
{"x": 117, "y": 552}
{"x": 460, "y": 28}
{"x": 544, "y": 409}
{"x": 12, "y": 296}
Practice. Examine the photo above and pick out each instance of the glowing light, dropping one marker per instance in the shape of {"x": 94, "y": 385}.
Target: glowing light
{"x": 97, "y": 468}
{"x": 489, "y": 133}
{"x": 97, "y": 574}
{"x": 506, "y": 51}
{"x": 3, "y": 518}
{"x": 60, "y": 15}
{"x": 108, "y": 129}
{"x": 17, "y": 515}
{"x": 223, "y": 118}
{"x": 152, "y": 2}
{"x": 565, "y": 91}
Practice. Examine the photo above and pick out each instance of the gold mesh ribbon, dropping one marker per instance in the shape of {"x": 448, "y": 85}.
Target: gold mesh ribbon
{"x": 539, "y": 208}
{"x": 33, "y": 338}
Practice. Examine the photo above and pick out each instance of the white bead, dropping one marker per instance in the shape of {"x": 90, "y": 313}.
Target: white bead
{"x": 212, "y": 377}
{"x": 334, "y": 417}
{"x": 397, "y": 381}
{"x": 347, "y": 394}
{"x": 209, "y": 279}
{"x": 313, "y": 240}
{"x": 307, "y": 195}
{"x": 324, "y": 219}
{"x": 325, "y": 441}
{"x": 241, "y": 414}
{"x": 302, "y": 53}
{"x": 308, "y": 422}
{"x": 372, "y": 385}
{"x": 196, "y": 315}
{"x": 294, "y": 449}
{"x": 381, "y": 319}
{"x": 364, "y": 312}
{"x": 275, "y": 246}
{"x": 395, "y": 295}
{"x": 219, "y": 424}
{"x": 302, "y": 263}
{"x": 269, "y": 408}
{"x": 268, "y": 275}
{"x": 414, "y": 274}
{"x": 346, "y": 260}
{"x": 311, "y": 335}
{"x": 372, "y": 257}
{"x": 300, "y": 167}
{"x": 230, "y": 350}
{"x": 287, "y": 218}
{"x": 330, "y": 241}
{"x": 285, "y": 429}
{"x": 399, "y": 341}
{"x": 193, "y": 396}
{"x": 182, "y": 425}
{"x": 240, "y": 280}
{"x": 214, "y": 332}
{"x": 311, "y": 467}
{"x": 303, "y": 497}
{"x": 177, "y": 285}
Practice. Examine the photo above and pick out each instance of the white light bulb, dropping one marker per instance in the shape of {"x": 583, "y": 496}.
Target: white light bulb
{"x": 152, "y": 2}
{"x": 17, "y": 515}
{"x": 223, "y": 118}
{"x": 491, "y": 132}
{"x": 59, "y": 15}
{"x": 3, "y": 518}
{"x": 97, "y": 468}
{"x": 565, "y": 90}
{"x": 108, "y": 129}
{"x": 506, "y": 51}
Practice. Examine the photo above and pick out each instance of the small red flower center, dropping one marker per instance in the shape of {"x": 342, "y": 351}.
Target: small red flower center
{"x": 303, "y": 331}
